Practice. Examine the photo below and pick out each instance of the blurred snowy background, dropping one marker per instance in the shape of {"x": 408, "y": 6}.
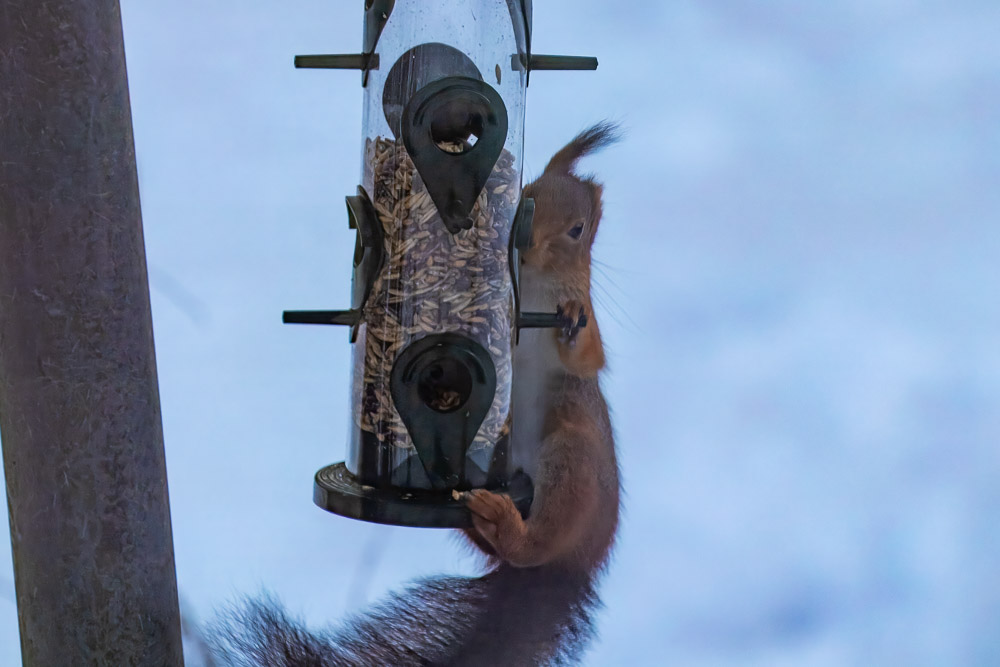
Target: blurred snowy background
{"x": 799, "y": 287}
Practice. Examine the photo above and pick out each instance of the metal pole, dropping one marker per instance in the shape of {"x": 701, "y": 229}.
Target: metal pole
{"x": 79, "y": 404}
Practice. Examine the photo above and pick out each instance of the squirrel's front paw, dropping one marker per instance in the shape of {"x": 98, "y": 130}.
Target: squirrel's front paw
{"x": 574, "y": 317}
{"x": 496, "y": 518}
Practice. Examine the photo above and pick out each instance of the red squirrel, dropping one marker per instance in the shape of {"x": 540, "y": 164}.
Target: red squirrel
{"x": 558, "y": 406}
{"x": 534, "y": 605}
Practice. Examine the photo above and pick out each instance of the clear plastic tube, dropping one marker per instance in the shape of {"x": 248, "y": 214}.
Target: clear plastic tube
{"x": 436, "y": 279}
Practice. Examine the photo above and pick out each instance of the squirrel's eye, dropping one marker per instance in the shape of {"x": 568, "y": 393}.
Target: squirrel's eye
{"x": 576, "y": 231}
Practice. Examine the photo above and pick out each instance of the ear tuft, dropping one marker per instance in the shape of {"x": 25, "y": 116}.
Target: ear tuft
{"x": 589, "y": 141}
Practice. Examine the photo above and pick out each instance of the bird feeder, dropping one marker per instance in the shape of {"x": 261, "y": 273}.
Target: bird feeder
{"x": 439, "y": 220}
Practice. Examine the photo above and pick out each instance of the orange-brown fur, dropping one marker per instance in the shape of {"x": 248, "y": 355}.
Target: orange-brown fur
{"x": 574, "y": 515}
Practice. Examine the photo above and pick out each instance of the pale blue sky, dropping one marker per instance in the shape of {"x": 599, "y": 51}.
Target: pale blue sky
{"x": 799, "y": 289}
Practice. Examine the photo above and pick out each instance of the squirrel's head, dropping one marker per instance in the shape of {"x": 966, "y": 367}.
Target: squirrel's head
{"x": 567, "y": 207}
{"x": 567, "y": 213}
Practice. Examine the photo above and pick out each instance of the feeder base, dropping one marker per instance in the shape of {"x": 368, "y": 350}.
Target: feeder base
{"x": 336, "y": 490}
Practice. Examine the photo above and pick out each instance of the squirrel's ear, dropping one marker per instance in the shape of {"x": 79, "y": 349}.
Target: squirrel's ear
{"x": 596, "y": 207}
{"x": 590, "y": 140}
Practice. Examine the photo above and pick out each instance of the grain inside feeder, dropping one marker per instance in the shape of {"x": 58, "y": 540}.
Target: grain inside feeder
{"x": 434, "y": 281}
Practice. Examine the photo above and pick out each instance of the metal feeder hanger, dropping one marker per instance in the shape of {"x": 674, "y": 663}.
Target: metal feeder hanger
{"x": 440, "y": 221}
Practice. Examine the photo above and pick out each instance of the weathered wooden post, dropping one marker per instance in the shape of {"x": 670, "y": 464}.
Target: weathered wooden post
{"x": 79, "y": 405}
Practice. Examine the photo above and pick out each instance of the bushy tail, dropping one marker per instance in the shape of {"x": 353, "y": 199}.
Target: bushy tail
{"x": 530, "y": 616}
{"x": 592, "y": 139}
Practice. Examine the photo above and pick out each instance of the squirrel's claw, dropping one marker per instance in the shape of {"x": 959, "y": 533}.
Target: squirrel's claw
{"x": 486, "y": 504}
{"x": 573, "y": 316}
{"x": 496, "y": 518}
